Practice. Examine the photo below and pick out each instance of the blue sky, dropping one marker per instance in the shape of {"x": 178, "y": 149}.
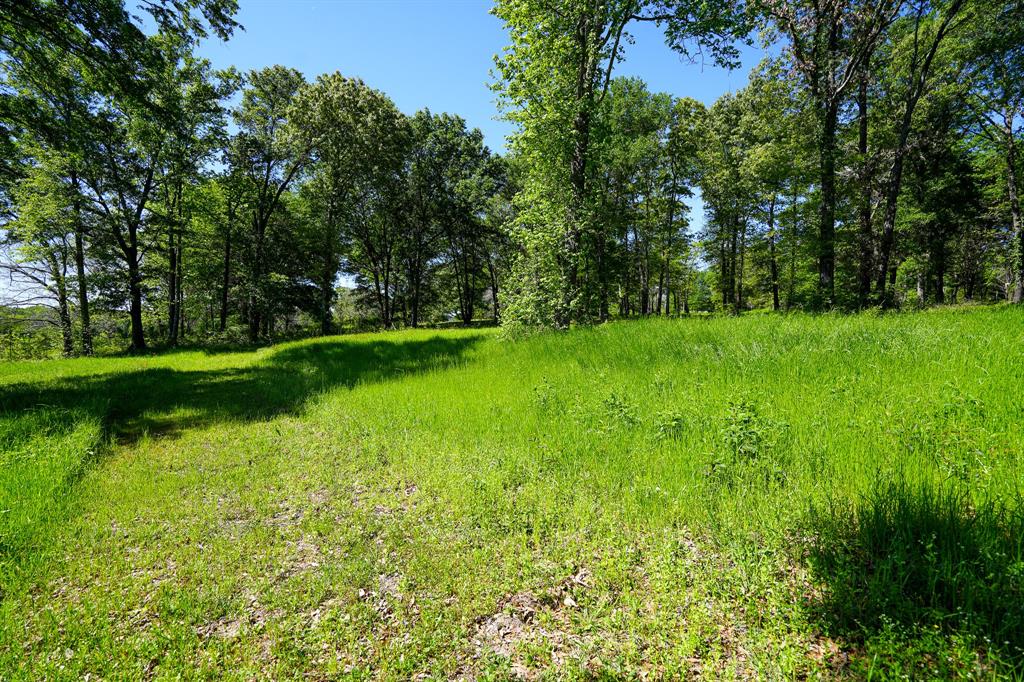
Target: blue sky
{"x": 428, "y": 53}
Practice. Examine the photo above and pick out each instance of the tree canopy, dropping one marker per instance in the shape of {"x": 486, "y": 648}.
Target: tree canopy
{"x": 146, "y": 197}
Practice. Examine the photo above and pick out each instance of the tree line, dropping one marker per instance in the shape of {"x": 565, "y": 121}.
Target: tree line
{"x": 870, "y": 161}
{"x": 188, "y": 203}
{"x": 148, "y": 198}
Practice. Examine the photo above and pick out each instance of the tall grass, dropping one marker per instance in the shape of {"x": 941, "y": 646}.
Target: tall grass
{"x": 43, "y": 452}
{"x": 855, "y": 476}
{"x": 922, "y": 554}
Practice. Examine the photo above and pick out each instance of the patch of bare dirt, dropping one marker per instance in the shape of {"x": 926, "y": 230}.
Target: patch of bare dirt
{"x": 224, "y": 628}
{"x": 513, "y": 624}
{"x": 254, "y": 617}
{"x": 320, "y": 499}
{"x": 323, "y": 608}
{"x": 287, "y": 516}
{"x": 388, "y": 589}
{"x": 524, "y": 618}
{"x": 305, "y": 556}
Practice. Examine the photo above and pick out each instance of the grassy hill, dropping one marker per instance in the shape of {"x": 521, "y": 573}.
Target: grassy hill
{"x": 767, "y": 496}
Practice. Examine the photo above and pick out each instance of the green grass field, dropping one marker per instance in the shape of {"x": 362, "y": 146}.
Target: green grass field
{"x": 771, "y": 497}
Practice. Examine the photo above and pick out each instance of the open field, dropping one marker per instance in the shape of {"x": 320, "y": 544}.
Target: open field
{"x": 768, "y": 496}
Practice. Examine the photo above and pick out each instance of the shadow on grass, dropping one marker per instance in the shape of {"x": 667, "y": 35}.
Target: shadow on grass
{"x": 166, "y": 401}
{"x": 44, "y": 450}
{"x": 915, "y": 560}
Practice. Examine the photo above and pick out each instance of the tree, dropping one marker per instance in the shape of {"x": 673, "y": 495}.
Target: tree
{"x": 941, "y": 198}
{"x": 196, "y": 129}
{"x": 269, "y": 154}
{"x": 995, "y": 62}
{"x": 60, "y": 123}
{"x": 122, "y": 176}
{"x": 103, "y": 37}
{"x": 39, "y": 241}
{"x": 918, "y": 38}
{"x": 361, "y": 142}
{"x": 829, "y": 43}
{"x": 728, "y": 196}
{"x": 553, "y": 78}
{"x": 770, "y": 115}
{"x": 107, "y": 48}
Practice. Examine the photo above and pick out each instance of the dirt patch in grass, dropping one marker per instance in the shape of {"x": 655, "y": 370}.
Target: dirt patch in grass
{"x": 286, "y": 517}
{"x": 388, "y": 589}
{"x": 524, "y": 620}
{"x": 305, "y": 555}
{"x": 514, "y": 623}
{"x": 224, "y": 628}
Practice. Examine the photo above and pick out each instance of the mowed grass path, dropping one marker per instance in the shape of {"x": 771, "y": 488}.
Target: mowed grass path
{"x": 770, "y": 496}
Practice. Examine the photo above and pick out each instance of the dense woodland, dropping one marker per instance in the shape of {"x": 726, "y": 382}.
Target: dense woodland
{"x": 149, "y": 199}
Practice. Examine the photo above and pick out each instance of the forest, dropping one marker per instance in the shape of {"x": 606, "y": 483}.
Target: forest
{"x": 148, "y": 199}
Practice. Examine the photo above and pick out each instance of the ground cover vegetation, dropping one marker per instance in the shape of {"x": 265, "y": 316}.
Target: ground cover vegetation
{"x": 767, "y": 496}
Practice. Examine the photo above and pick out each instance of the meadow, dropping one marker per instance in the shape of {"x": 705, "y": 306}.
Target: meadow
{"x": 769, "y": 496}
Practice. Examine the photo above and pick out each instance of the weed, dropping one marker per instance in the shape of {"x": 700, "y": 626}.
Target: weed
{"x": 749, "y": 441}
{"x": 670, "y": 424}
{"x": 619, "y": 411}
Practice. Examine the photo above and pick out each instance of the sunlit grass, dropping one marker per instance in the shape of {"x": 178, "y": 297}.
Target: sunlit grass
{"x": 678, "y": 497}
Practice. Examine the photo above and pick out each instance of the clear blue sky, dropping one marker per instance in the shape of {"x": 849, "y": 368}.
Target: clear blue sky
{"x": 428, "y": 53}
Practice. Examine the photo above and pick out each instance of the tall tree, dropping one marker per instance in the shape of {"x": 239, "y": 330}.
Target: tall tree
{"x": 553, "y": 78}
{"x": 917, "y": 37}
{"x": 270, "y": 154}
{"x": 828, "y": 45}
{"x": 995, "y": 62}
{"x": 361, "y": 141}
{"x": 38, "y": 243}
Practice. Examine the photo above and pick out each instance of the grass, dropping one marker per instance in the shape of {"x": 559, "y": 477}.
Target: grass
{"x": 770, "y": 496}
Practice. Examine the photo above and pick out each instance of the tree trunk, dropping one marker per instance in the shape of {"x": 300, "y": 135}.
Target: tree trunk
{"x": 574, "y": 228}
{"x": 414, "y": 302}
{"x": 172, "y": 289}
{"x": 668, "y": 287}
{"x": 60, "y": 289}
{"x": 584, "y": 97}
{"x": 771, "y": 252}
{"x": 791, "y": 289}
{"x": 83, "y": 288}
{"x": 83, "y": 292}
{"x": 256, "y": 312}
{"x": 180, "y": 322}
{"x": 940, "y": 274}
{"x": 135, "y": 303}
{"x": 1015, "y": 214}
{"x": 723, "y": 258}
{"x": 66, "y": 331}
{"x": 327, "y": 293}
{"x": 827, "y": 208}
{"x": 661, "y": 287}
{"x": 885, "y": 298}
{"x": 330, "y": 270}
{"x": 917, "y": 89}
{"x": 492, "y": 271}
{"x": 740, "y": 258}
{"x": 867, "y": 238}
{"x": 226, "y": 282}
{"x": 892, "y": 281}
